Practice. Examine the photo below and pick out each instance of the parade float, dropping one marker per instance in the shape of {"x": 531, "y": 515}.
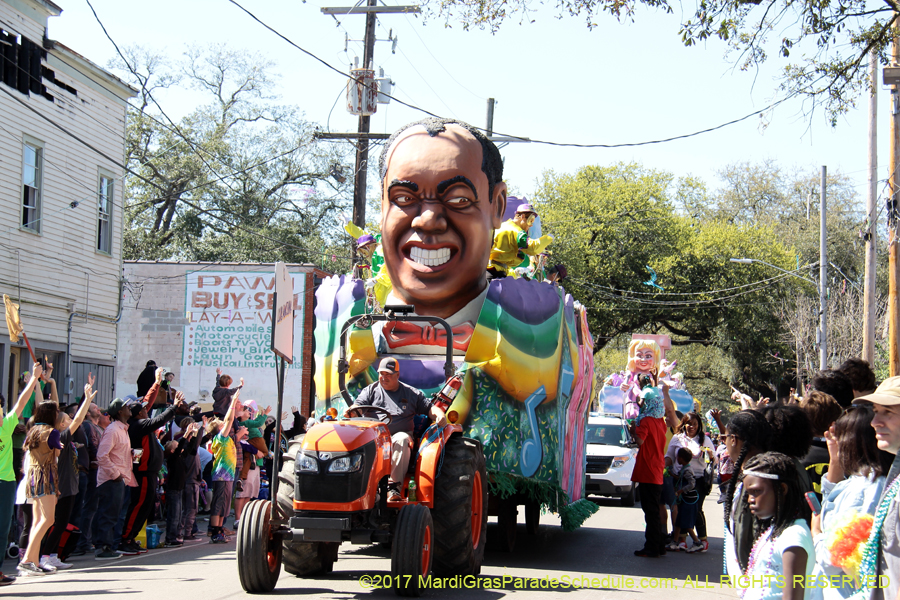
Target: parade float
{"x": 646, "y": 356}
{"x": 524, "y": 354}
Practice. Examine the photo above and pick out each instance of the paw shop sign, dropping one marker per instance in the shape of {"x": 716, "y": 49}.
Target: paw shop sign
{"x": 231, "y": 315}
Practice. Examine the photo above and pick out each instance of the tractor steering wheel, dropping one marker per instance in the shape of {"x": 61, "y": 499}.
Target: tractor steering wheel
{"x": 360, "y": 408}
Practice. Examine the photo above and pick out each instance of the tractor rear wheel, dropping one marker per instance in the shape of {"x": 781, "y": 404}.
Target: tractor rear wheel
{"x": 258, "y": 553}
{"x": 460, "y": 509}
{"x": 411, "y": 553}
{"x": 303, "y": 558}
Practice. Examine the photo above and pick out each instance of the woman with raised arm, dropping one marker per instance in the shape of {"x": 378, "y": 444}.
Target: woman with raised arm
{"x": 41, "y": 479}
{"x": 7, "y": 472}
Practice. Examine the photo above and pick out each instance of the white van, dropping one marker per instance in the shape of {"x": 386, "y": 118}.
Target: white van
{"x": 610, "y": 458}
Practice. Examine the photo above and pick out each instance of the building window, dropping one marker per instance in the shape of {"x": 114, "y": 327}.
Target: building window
{"x": 104, "y": 221}
{"x": 32, "y": 182}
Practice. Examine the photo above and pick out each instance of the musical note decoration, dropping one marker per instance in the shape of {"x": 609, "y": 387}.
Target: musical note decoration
{"x": 532, "y": 451}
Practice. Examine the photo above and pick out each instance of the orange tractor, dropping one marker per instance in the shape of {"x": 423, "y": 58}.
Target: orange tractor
{"x": 332, "y": 489}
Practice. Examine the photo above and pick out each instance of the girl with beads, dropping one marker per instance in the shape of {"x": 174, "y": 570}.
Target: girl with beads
{"x": 784, "y": 547}
{"x": 746, "y": 435}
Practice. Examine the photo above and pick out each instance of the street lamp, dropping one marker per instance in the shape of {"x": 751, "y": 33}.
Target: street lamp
{"x": 822, "y": 332}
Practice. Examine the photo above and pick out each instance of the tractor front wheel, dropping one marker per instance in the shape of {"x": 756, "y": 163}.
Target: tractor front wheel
{"x": 304, "y": 558}
{"x": 258, "y": 552}
{"x": 412, "y": 549}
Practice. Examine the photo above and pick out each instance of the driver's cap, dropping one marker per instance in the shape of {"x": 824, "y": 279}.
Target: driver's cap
{"x": 389, "y": 365}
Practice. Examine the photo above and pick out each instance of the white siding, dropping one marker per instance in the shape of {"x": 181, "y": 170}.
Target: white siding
{"x": 61, "y": 268}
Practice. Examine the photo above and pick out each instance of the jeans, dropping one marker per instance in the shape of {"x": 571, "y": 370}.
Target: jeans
{"x": 173, "y": 515}
{"x": 7, "y": 506}
{"x": 189, "y": 507}
{"x": 653, "y": 539}
{"x": 123, "y": 514}
{"x": 88, "y": 510}
{"x": 109, "y": 495}
{"x": 700, "y": 523}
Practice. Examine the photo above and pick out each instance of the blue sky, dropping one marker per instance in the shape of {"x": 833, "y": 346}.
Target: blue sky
{"x": 553, "y": 78}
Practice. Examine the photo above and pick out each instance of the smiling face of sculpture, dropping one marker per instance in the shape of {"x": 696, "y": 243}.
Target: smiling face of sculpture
{"x": 644, "y": 360}
{"x": 438, "y": 219}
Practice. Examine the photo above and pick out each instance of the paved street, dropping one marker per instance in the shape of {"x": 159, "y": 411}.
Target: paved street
{"x": 602, "y": 550}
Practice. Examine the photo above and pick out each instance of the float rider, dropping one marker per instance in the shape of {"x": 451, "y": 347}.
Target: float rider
{"x": 512, "y": 245}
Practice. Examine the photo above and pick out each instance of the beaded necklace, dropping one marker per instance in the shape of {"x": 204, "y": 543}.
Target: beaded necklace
{"x": 867, "y": 565}
{"x": 756, "y": 553}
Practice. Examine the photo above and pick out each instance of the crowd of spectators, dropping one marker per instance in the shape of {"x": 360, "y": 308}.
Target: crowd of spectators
{"x": 808, "y": 485}
{"x": 79, "y": 479}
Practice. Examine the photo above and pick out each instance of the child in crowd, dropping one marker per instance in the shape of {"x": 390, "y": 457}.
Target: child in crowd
{"x": 686, "y": 497}
{"x": 224, "y": 462}
{"x": 174, "y": 487}
{"x": 175, "y": 484}
{"x": 782, "y": 555}
{"x": 192, "y": 478}
{"x": 650, "y": 402}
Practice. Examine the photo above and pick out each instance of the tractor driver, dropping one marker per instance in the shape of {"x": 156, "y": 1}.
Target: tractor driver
{"x": 403, "y": 402}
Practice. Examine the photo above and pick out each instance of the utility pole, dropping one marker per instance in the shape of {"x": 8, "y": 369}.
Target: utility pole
{"x": 892, "y": 78}
{"x": 371, "y": 10}
{"x": 871, "y": 232}
{"x": 823, "y": 277}
{"x": 362, "y": 144}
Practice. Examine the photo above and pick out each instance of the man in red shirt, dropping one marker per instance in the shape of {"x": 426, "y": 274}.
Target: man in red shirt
{"x": 650, "y": 436}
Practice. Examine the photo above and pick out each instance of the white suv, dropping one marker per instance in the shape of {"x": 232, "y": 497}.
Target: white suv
{"x": 610, "y": 458}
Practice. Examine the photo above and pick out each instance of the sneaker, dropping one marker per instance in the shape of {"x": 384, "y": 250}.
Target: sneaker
{"x": 236, "y": 522}
{"x": 47, "y": 565}
{"x": 672, "y": 547}
{"x": 79, "y": 552}
{"x": 704, "y": 545}
{"x": 174, "y": 544}
{"x": 226, "y": 532}
{"x": 698, "y": 547}
{"x": 644, "y": 554}
{"x": 6, "y": 579}
{"x": 191, "y": 538}
{"x": 107, "y": 554}
{"x": 394, "y": 496}
{"x": 218, "y": 539}
{"x": 140, "y": 549}
{"x": 58, "y": 563}
{"x": 129, "y": 549}
{"x": 29, "y": 569}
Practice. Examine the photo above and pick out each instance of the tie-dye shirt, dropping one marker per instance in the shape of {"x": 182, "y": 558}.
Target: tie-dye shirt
{"x": 224, "y": 458}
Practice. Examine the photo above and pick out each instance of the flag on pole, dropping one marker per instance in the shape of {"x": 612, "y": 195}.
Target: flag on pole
{"x": 13, "y": 323}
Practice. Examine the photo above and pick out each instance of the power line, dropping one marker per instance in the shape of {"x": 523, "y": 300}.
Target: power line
{"x": 533, "y": 141}
{"x": 730, "y": 289}
{"x": 149, "y": 95}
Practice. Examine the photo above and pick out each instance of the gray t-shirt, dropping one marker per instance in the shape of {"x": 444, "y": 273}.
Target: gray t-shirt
{"x": 404, "y": 404}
